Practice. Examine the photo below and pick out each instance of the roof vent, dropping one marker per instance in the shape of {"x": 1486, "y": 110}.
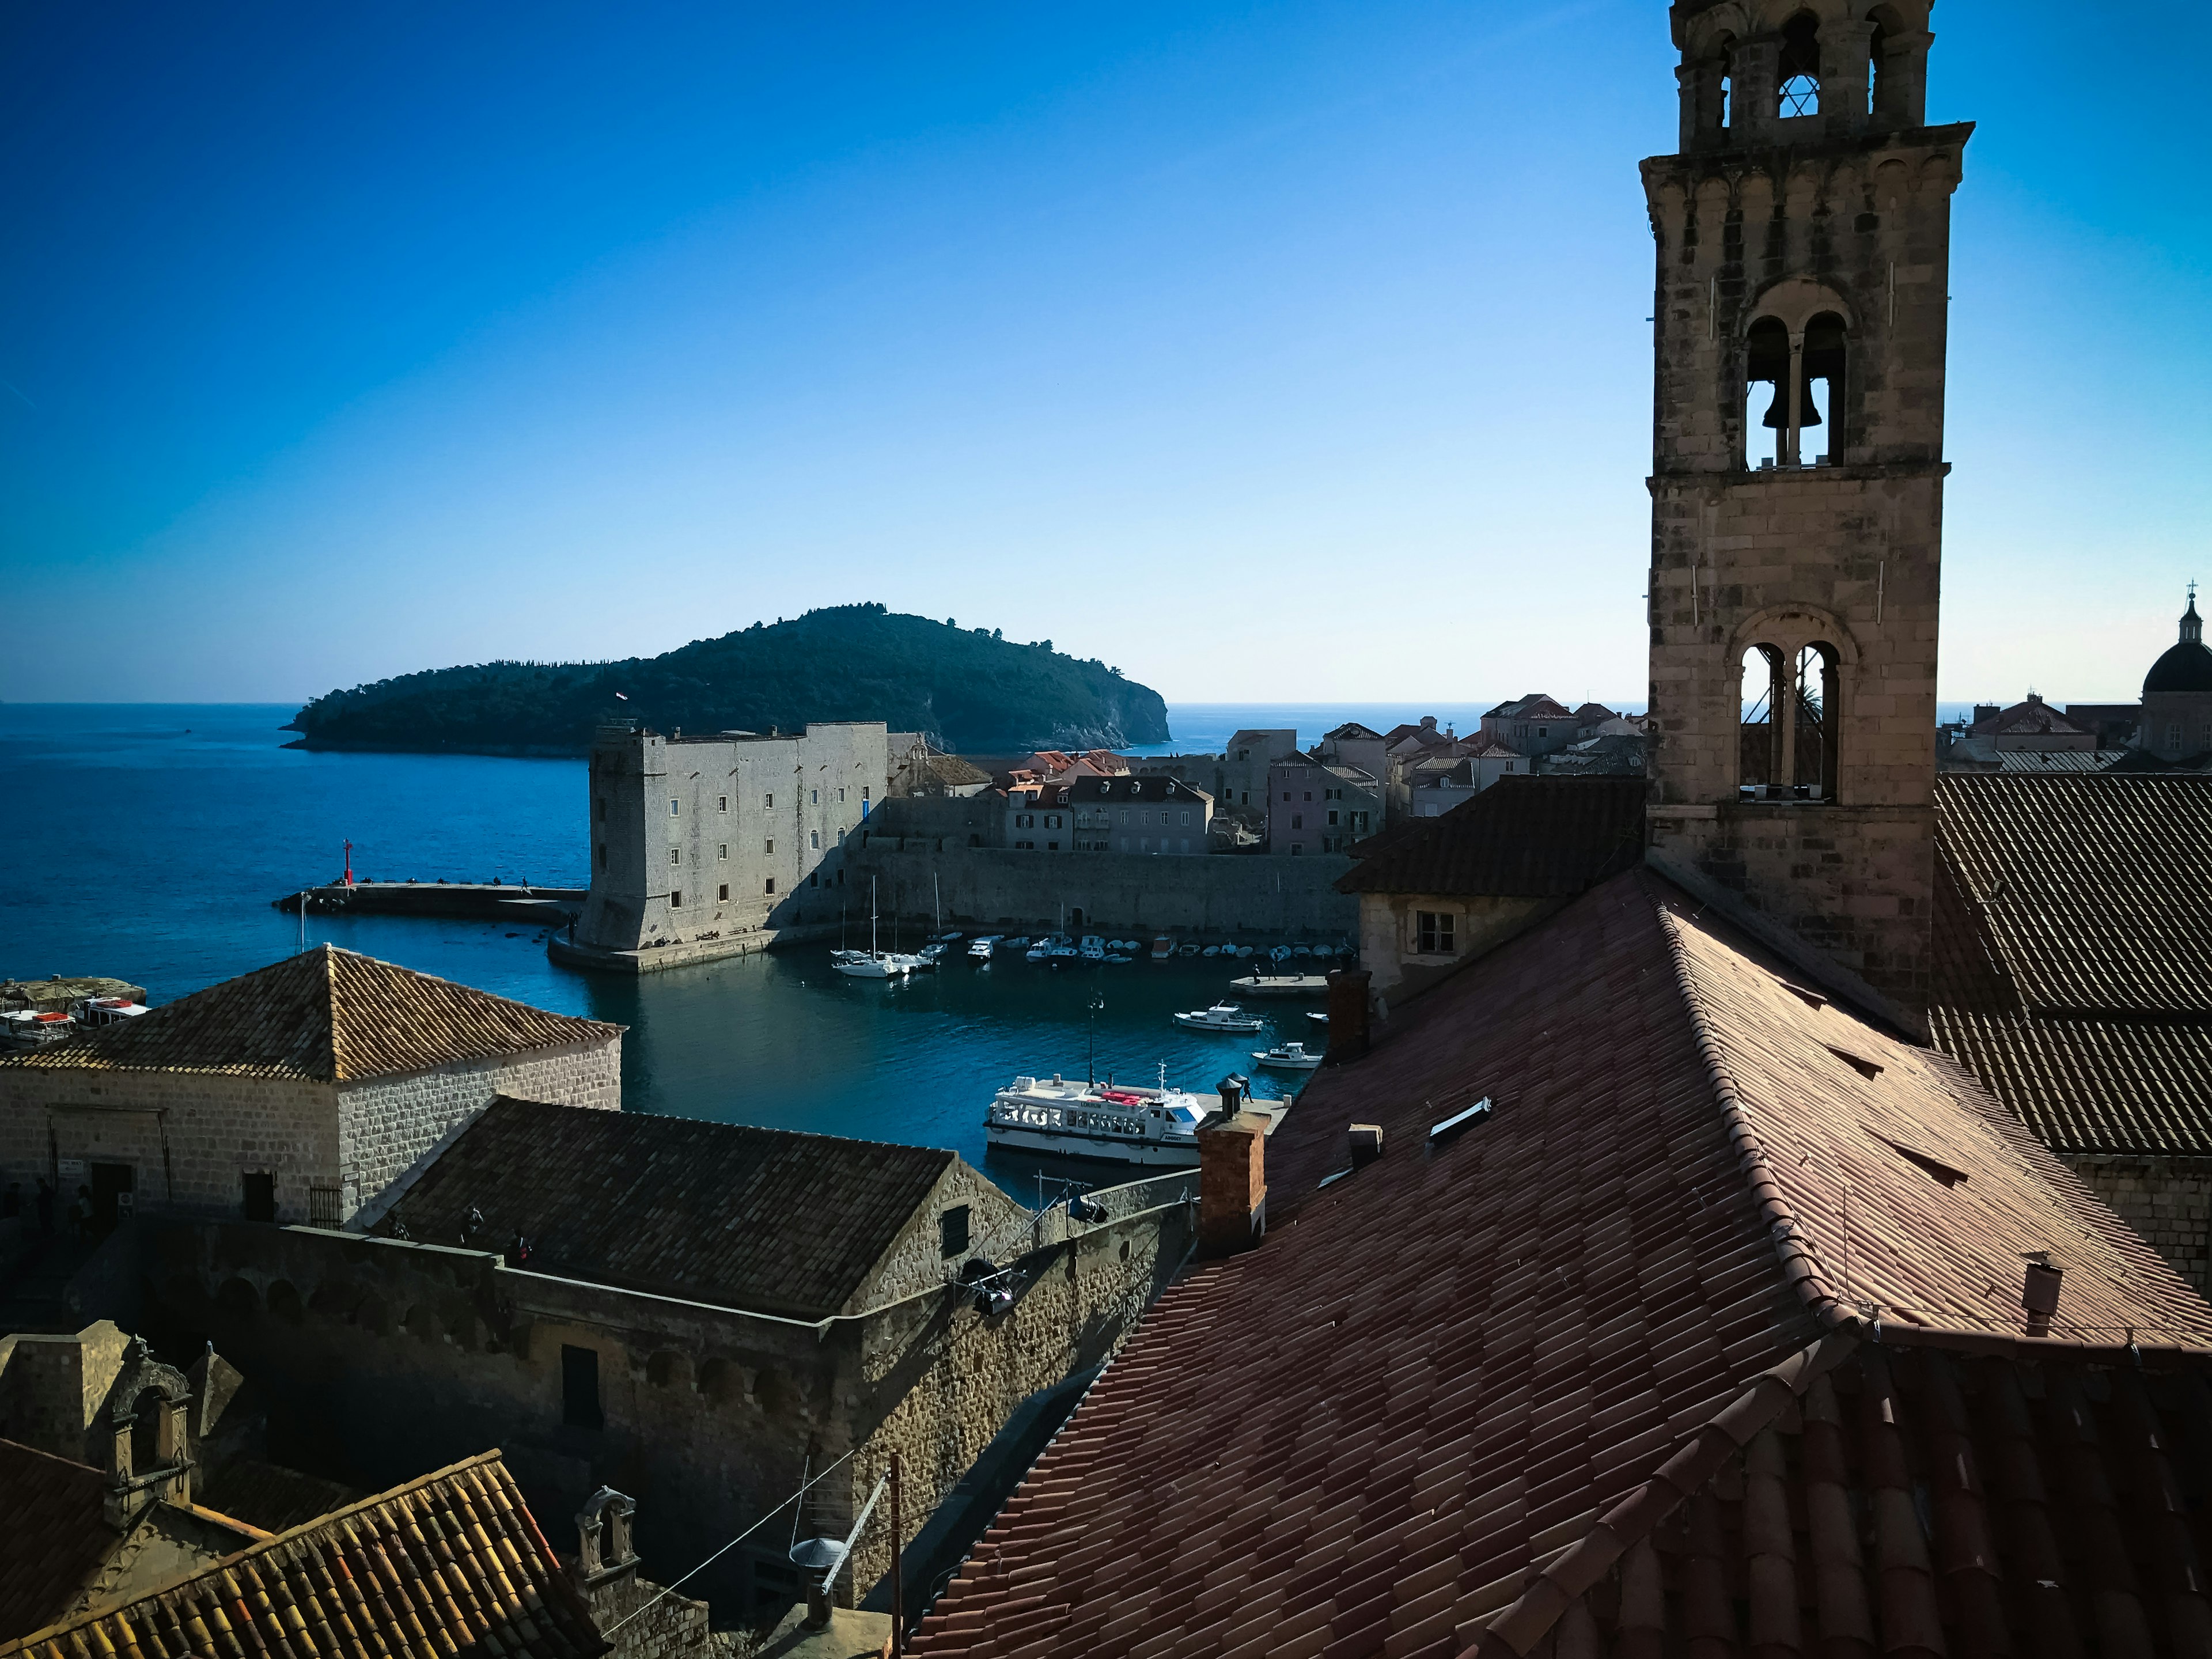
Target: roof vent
{"x": 1366, "y": 1140}
{"x": 2039, "y": 1294}
{"x": 1804, "y": 994}
{"x": 1459, "y": 1120}
{"x": 1933, "y": 1167}
{"x": 1863, "y": 1067}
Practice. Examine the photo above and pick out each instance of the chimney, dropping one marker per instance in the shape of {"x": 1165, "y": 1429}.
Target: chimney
{"x": 1366, "y": 1140}
{"x": 605, "y": 1558}
{"x": 1232, "y": 1184}
{"x": 1347, "y": 1014}
{"x": 2038, "y": 1295}
{"x": 1234, "y": 1090}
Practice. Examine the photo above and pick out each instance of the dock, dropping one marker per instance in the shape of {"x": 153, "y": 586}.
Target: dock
{"x": 467, "y": 901}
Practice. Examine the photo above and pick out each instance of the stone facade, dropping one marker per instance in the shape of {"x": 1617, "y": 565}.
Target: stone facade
{"x": 52, "y": 1387}
{"x": 395, "y": 1357}
{"x": 705, "y": 841}
{"x": 183, "y": 1142}
{"x": 1794, "y": 250}
{"x": 2168, "y": 1200}
{"x": 1391, "y": 936}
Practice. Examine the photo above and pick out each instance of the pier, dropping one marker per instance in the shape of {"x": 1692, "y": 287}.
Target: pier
{"x": 468, "y": 901}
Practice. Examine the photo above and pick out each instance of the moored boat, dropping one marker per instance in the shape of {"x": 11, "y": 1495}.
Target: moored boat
{"x": 1288, "y": 1057}
{"x": 1157, "y": 1127}
{"x": 1221, "y": 1016}
{"x": 1163, "y": 948}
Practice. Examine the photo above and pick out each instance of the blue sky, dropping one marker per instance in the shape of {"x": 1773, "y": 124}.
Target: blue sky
{"x": 1283, "y": 352}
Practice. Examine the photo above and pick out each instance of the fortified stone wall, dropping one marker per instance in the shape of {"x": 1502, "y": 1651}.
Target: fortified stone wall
{"x": 52, "y": 1388}
{"x": 707, "y": 839}
{"x": 1204, "y": 899}
{"x": 385, "y": 1125}
{"x": 383, "y": 1359}
{"x": 2168, "y": 1200}
{"x": 189, "y": 1138}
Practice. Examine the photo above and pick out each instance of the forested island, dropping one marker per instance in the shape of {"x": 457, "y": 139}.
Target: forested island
{"x": 967, "y": 688}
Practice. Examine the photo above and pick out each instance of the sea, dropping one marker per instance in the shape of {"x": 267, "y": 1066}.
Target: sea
{"x": 145, "y": 842}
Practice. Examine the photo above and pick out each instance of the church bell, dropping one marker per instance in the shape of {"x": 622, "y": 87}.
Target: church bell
{"x": 1777, "y": 413}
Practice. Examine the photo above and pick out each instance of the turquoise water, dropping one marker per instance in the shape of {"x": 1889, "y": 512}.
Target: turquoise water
{"x": 145, "y": 842}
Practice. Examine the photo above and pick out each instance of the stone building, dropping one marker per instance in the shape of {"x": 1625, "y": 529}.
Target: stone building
{"x": 294, "y": 1093}
{"x": 705, "y": 1315}
{"x": 2177, "y": 705}
{"x": 1803, "y": 250}
{"x": 1313, "y": 807}
{"x": 714, "y": 846}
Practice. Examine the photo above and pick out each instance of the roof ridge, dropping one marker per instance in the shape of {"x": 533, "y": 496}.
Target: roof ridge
{"x": 1800, "y": 1261}
{"x": 329, "y": 987}
{"x": 260, "y": 1547}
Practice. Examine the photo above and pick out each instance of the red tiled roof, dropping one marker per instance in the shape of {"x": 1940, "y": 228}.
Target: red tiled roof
{"x": 1437, "y": 1374}
{"x": 767, "y": 1220}
{"x": 2073, "y": 960}
{"x": 56, "y": 1537}
{"x": 1536, "y": 837}
{"x": 325, "y": 1015}
{"x": 452, "y": 1564}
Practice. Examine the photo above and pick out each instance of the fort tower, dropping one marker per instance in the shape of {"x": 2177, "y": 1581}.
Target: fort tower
{"x": 1803, "y": 232}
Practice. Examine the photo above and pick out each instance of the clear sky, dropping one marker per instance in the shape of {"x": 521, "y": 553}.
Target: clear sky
{"x": 1288, "y": 351}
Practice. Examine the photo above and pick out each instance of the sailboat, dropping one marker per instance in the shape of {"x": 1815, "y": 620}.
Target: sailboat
{"x": 873, "y": 962}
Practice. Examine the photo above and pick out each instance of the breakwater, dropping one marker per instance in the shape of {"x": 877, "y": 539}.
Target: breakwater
{"x": 467, "y": 901}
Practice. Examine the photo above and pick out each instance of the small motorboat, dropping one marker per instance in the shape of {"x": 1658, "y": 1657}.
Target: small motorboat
{"x": 27, "y": 1029}
{"x": 107, "y": 1011}
{"x": 945, "y": 938}
{"x": 1243, "y": 950}
{"x": 1288, "y": 1057}
{"x": 1300, "y": 950}
{"x": 1163, "y": 948}
{"x": 1222, "y": 1016}
{"x": 1187, "y": 949}
{"x": 1280, "y": 953}
{"x": 1210, "y": 950}
{"x": 980, "y": 950}
{"x": 1317, "y": 1018}
{"x": 1119, "y": 955}
{"x": 1093, "y": 948}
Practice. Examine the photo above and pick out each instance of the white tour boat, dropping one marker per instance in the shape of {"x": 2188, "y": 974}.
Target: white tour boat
{"x": 1222, "y": 1016}
{"x": 1289, "y": 1057}
{"x": 26, "y": 1028}
{"x": 1107, "y": 1121}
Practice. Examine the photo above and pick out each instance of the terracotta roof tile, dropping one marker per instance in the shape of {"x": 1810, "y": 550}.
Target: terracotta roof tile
{"x": 451, "y": 1563}
{"x": 1647, "y": 1237}
{"x": 58, "y": 1538}
{"x": 765, "y": 1219}
{"x": 327, "y": 1016}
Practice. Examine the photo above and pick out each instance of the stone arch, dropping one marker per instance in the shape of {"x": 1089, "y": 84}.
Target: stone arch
{"x": 1790, "y": 727}
{"x": 668, "y": 1368}
{"x": 1794, "y": 301}
{"x": 421, "y": 1323}
{"x": 776, "y": 1393}
{"x": 722, "y": 1381}
{"x": 284, "y": 1302}
{"x": 238, "y": 1296}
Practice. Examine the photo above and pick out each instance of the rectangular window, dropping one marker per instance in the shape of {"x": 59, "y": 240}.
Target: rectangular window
{"x": 1433, "y": 930}
{"x": 721, "y": 852}
{"x": 816, "y": 797}
{"x": 1186, "y": 846}
{"x": 1308, "y": 793}
{"x": 260, "y": 1201}
{"x": 676, "y": 898}
{"x": 768, "y": 802}
{"x": 1332, "y": 819}
{"x": 770, "y": 844}
{"x": 952, "y": 1231}
{"x": 864, "y": 794}
{"x": 722, "y": 893}
{"x": 602, "y": 809}
{"x": 675, "y": 855}
{"x": 770, "y": 888}
{"x": 674, "y": 807}
{"x": 721, "y": 803}
{"x": 841, "y": 797}
{"x": 814, "y": 840}
{"x": 1297, "y": 820}
{"x": 1186, "y": 820}
{"x": 580, "y": 1388}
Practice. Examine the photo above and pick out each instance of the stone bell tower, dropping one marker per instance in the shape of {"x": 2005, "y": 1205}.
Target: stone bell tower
{"x": 1803, "y": 234}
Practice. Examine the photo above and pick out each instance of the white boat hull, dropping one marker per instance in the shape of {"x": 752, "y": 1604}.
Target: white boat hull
{"x": 1068, "y": 1143}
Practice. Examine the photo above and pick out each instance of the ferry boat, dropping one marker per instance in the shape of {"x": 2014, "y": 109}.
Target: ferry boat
{"x": 1126, "y": 1124}
{"x": 26, "y": 1027}
{"x": 1222, "y": 1016}
{"x": 1289, "y": 1057}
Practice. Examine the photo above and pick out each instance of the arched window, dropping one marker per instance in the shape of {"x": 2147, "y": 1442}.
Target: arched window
{"x": 1799, "y": 70}
{"x": 1767, "y": 411}
{"x": 1824, "y": 355}
{"x": 1794, "y": 385}
{"x": 1759, "y": 737}
{"x": 1786, "y": 743}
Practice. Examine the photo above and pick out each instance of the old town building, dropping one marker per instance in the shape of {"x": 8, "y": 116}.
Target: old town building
{"x": 293, "y": 1093}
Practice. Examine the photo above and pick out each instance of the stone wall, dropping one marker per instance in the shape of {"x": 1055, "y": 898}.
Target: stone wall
{"x": 1245, "y": 896}
{"x": 646, "y": 1624}
{"x": 383, "y": 1359}
{"x": 2168, "y": 1200}
{"x": 52, "y": 1388}
{"x": 1390, "y": 941}
{"x": 385, "y": 1125}
{"x": 189, "y": 1138}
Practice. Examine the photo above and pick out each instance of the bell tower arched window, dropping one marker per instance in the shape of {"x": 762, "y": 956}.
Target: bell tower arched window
{"x": 1798, "y": 72}
{"x": 1793, "y": 386}
{"x": 1786, "y": 739}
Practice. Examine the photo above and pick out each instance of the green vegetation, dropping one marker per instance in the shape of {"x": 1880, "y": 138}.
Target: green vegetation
{"x": 967, "y": 687}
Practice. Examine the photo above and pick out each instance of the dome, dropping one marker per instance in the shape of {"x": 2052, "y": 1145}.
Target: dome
{"x": 2186, "y": 666}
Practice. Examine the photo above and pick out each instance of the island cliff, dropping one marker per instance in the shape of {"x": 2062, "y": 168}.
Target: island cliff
{"x": 966, "y": 688}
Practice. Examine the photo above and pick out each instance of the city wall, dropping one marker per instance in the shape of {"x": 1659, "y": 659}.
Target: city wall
{"x": 382, "y": 1359}
{"x": 1200, "y": 897}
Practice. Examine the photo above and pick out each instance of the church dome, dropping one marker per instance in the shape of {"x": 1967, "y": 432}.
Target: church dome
{"x": 2186, "y": 666}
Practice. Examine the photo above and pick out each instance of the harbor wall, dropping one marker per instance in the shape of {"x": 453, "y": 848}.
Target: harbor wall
{"x": 1240, "y": 896}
